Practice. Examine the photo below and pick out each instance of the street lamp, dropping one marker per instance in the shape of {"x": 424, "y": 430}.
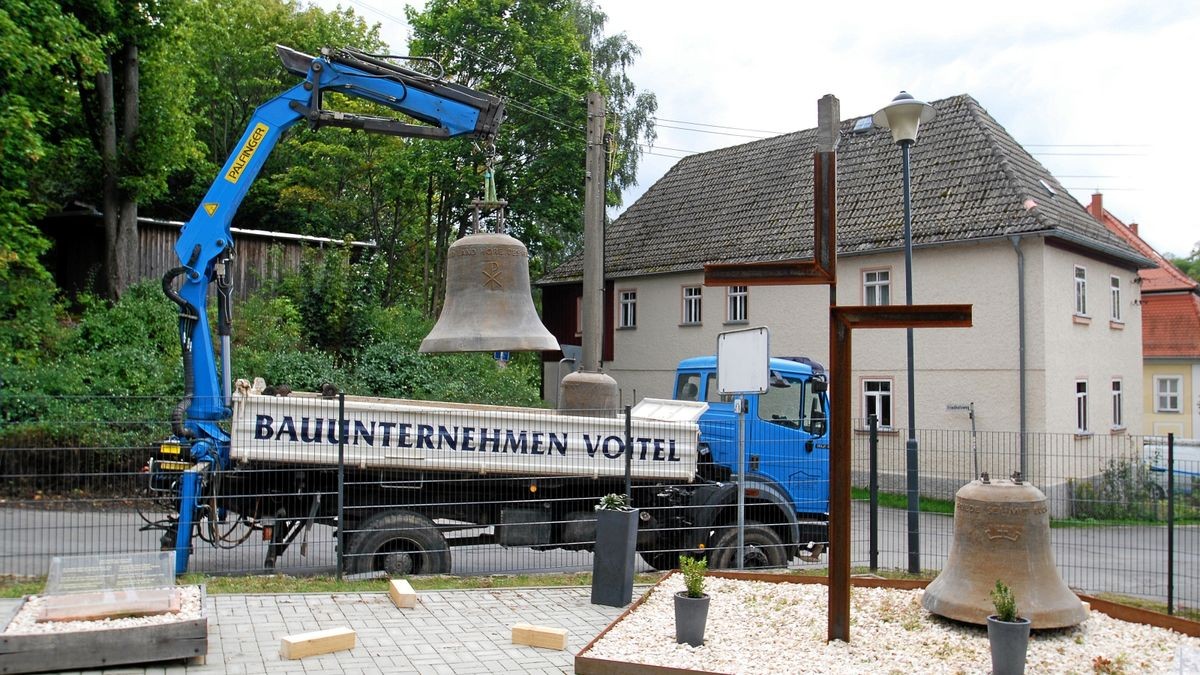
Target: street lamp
{"x": 904, "y": 116}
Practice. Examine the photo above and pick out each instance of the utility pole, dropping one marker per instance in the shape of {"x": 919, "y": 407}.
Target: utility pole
{"x": 588, "y": 390}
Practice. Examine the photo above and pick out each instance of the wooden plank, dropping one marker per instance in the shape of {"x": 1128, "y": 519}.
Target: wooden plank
{"x": 402, "y": 593}
{"x": 82, "y": 650}
{"x": 539, "y": 636}
{"x": 316, "y": 642}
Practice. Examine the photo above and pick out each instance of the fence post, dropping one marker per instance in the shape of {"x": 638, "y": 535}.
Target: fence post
{"x": 628, "y": 455}
{"x": 341, "y": 485}
{"x": 873, "y": 423}
{"x": 1170, "y": 523}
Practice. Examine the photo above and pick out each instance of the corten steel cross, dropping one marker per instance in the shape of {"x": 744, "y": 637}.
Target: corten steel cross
{"x": 822, "y": 270}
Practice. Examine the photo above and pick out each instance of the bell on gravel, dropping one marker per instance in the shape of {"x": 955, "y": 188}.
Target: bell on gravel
{"x": 488, "y": 306}
{"x": 1002, "y": 533}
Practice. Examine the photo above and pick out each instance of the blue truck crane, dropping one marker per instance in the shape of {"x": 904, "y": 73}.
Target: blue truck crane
{"x": 205, "y": 247}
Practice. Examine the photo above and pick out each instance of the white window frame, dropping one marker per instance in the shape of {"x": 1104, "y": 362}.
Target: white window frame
{"x": 881, "y": 397}
{"x": 1114, "y": 294}
{"x": 737, "y": 304}
{"x": 1080, "y": 290}
{"x": 627, "y": 308}
{"x": 691, "y": 305}
{"x": 877, "y": 282}
{"x": 1081, "y": 407}
{"x": 579, "y": 316}
{"x": 1163, "y": 399}
{"x": 1118, "y": 404}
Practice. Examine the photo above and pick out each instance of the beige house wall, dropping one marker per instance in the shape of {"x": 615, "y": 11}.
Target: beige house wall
{"x": 1186, "y": 422}
{"x": 977, "y": 365}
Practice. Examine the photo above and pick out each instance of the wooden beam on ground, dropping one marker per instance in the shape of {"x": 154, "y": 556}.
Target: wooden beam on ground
{"x": 539, "y": 636}
{"x": 316, "y": 642}
{"x": 402, "y": 593}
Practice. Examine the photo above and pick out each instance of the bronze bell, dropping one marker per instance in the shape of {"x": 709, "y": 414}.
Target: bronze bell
{"x": 488, "y": 306}
{"x": 1002, "y": 532}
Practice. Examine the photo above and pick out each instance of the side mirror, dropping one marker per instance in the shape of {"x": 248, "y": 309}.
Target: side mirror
{"x": 819, "y": 386}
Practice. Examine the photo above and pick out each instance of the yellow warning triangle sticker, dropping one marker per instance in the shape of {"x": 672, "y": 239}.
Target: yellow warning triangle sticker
{"x": 210, "y": 208}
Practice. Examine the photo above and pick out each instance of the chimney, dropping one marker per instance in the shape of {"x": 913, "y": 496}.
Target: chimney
{"x": 1133, "y": 226}
{"x": 1096, "y": 208}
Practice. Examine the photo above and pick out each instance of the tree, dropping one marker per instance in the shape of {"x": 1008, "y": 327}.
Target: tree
{"x": 543, "y": 57}
{"x": 135, "y": 114}
{"x": 43, "y": 48}
{"x": 1189, "y": 265}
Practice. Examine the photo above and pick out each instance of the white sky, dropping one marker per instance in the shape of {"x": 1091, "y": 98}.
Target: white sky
{"x": 1102, "y": 92}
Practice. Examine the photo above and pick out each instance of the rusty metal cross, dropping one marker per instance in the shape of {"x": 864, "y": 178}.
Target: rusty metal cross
{"x": 822, "y": 270}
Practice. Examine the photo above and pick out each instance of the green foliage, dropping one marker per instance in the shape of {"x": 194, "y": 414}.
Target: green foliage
{"x": 693, "y": 570}
{"x": 335, "y": 299}
{"x": 1124, "y": 490}
{"x": 109, "y": 382}
{"x": 1189, "y": 265}
{"x": 390, "y": 365}
{"x": 1005, "y": 602}
{"x": 614, "y": 502}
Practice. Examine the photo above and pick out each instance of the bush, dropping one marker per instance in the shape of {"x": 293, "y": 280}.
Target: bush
{"x": 1124, "y": 490}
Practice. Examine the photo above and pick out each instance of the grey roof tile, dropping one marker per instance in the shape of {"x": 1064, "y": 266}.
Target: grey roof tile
{"x": 753, "y": 202}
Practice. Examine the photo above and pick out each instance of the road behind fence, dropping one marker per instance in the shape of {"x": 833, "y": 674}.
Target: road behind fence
{"x": 1123, "y": 531}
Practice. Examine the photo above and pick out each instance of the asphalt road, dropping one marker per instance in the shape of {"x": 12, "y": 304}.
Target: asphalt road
{"x": 1124, "y": 560}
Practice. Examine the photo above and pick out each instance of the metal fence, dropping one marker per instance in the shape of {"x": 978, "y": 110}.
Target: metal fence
{"x": 471, "y": 491}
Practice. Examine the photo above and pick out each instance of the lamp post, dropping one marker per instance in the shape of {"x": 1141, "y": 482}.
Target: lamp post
{"x": 904, "y": 116}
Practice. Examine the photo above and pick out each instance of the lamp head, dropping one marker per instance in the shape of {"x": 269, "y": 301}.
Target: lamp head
{"x": 904, "y": 116}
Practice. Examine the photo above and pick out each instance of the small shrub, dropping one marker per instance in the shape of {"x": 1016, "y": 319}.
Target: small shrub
{"x": 693, "y": 570}
{"x": 1005, "y": 602}
{"x": 614, "y": 502}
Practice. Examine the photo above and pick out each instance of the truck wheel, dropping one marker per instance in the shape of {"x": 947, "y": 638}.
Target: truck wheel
{"x": 398, "y": 543}
{"x": 661, "y": 560}
{"x": 764, "y": 548}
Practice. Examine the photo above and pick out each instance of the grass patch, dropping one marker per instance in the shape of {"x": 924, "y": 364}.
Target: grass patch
{"x": 898, "y": 501}
{"x": 16, "y": 587}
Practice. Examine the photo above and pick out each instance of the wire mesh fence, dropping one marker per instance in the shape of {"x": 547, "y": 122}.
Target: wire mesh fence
{"x": 313, "y": 485}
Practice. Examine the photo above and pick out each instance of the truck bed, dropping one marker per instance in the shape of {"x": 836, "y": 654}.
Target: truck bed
{"x": 381, "y": 433}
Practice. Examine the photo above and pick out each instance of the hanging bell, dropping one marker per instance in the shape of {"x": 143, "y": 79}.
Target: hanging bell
{"x": 1002, "y": 533}
{"x": 488, "y": 306}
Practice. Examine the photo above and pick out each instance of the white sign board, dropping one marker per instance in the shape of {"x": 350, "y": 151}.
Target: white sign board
{"x": 743, "y": 361}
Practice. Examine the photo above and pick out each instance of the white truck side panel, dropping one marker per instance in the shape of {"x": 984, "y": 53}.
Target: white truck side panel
{"x": 435, "y": 436}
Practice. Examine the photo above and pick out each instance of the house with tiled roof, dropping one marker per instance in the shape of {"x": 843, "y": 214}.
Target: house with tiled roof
{"x": 1170, "y": 336}
{"x": 1056, "y": 339}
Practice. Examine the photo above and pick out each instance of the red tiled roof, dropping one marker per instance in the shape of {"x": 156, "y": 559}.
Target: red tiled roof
{"x": 1171, "y": 325}
{"x": 1165, "y": 277}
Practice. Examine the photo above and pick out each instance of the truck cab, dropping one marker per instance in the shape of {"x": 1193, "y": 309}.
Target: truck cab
{"x": 786, "y": 443}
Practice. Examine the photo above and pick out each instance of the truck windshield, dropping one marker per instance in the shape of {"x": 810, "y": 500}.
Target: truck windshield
{"x": 687, "y": 387}
{"x": 792, "y": 402}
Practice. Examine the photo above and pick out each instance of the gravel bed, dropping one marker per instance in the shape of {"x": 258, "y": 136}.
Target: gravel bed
{"x": 25, "y": 622}
{"x": 761, "y": 627}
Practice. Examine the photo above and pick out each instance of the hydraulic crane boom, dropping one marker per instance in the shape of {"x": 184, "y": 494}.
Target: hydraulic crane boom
{"x": 205, "y": 247}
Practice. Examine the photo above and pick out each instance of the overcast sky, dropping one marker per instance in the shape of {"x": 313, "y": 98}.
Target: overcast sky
{"x": 1102, "y": 92}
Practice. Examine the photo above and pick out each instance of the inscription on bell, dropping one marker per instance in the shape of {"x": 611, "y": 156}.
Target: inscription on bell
{"x": 492, "y": 275}
{"x": 995, "y": 509}
{"x": 1002, "y": 532}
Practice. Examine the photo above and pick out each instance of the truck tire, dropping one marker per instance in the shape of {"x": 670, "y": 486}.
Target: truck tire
{"x": 764, "y": 548}
{"x": 398, "y": 543}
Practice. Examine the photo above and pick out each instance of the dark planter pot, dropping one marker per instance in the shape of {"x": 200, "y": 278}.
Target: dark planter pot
{"x": 1009, "y": 640}
{"x": 613, "y": 562}
{"x": 691, "y": 615}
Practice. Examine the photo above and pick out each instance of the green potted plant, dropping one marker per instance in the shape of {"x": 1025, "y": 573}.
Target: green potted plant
{"x": 1008, "y": 633}
{"x": 691, "y": 605}
{"x": 615, "y": 551}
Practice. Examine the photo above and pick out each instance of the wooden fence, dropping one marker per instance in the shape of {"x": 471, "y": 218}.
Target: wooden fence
{"x": 77, "y": 257}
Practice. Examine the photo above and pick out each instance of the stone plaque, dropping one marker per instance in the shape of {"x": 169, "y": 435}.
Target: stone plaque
{"x": 110, "y": 572}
